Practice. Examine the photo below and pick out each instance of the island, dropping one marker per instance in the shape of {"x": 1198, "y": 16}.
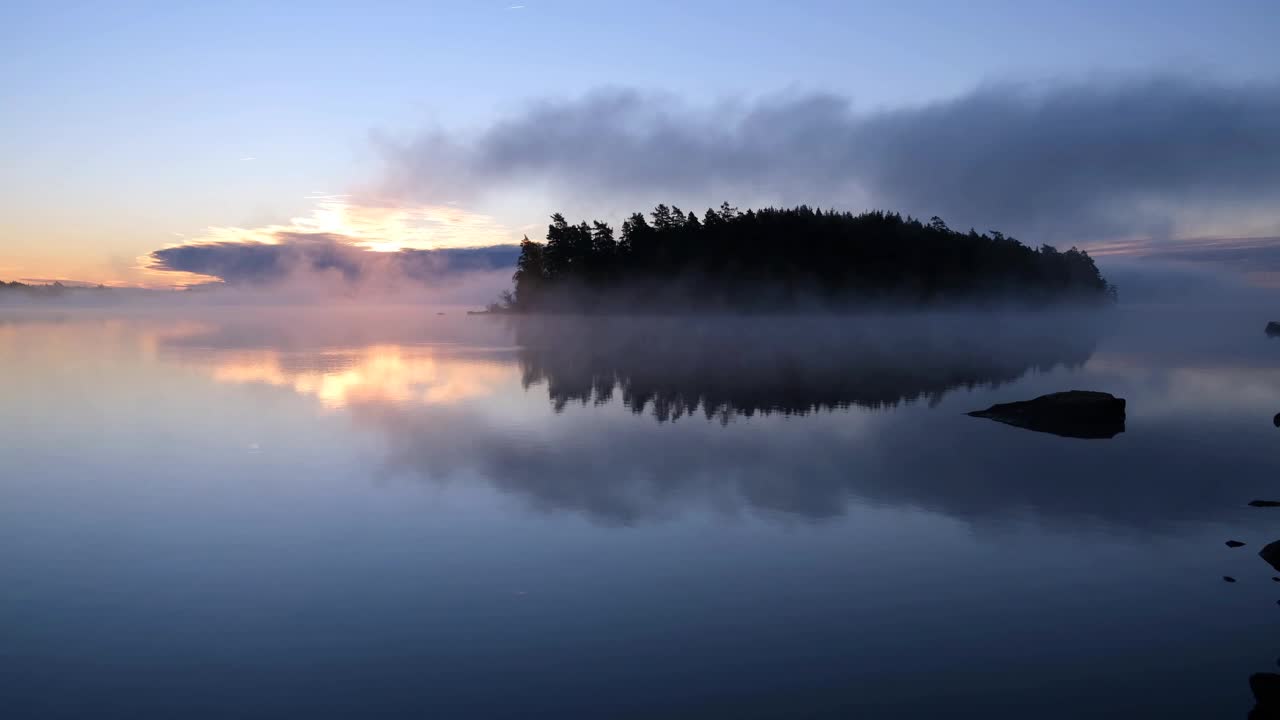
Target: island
{"x": 788, "y": 259}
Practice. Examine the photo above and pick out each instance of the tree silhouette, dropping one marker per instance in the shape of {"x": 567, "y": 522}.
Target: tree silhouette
{"x": 53, "y": 289}
{"x": 802, "y": 257}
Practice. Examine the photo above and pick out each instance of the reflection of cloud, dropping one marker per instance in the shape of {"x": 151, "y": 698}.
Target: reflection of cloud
{"x": 1189, "y": 422}
{"x": 455, "y": 412}
{"x": 626, "y": 470}
{"x": 380, "y": 374}
{"x": 1233, "y": 388}
{"x": 343, "y": 356}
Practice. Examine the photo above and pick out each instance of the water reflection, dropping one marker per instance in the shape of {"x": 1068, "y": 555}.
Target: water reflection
{"x": 382, "y": 373}
{"x": 620, "y": 473}
{"x": 402, "y": 358}
{"x": 793, "y": 365}
{"x": 253, "y": 487}
{"x": 454, "y": 410}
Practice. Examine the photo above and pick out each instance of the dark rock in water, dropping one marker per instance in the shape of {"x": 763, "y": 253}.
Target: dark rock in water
{"x": 1275, "y": 579}
{"x": 1075, "y": 413}
{"x": 1228, "y": 578}
{"x": 1273, "y": 328}
{"x": 1234, "y": 544}
{"x": 1271, "y": 554}
{"x": 1264, "y": 503}
{"x": 1266, "y": 689}
{"x": 1276, "y": 420}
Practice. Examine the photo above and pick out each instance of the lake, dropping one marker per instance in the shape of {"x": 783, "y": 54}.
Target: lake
{"x": 384, "y": 512}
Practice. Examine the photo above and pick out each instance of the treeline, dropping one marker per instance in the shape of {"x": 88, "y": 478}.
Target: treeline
{"x": 793, "y": 258}
{"x": 49, "y": 290}
{"x": 46, "y": 291}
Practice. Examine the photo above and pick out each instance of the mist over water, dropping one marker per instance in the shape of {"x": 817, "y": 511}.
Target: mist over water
{"x": 611, "y": 361}
{"x": 631, "y": 516}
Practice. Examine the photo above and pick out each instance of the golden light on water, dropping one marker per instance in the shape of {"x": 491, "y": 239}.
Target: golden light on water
{"x": 380, "y": 373}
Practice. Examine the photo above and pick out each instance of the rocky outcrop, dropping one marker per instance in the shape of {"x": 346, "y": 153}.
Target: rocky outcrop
{"x": 1075, "y": 413}
{"x": 1266, "y": 695}
{"x": 1271, "y": 554}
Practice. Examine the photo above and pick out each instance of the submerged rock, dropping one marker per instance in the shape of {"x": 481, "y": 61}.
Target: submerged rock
{"x": 1075, "y": 413}
{"x": 1264, "y": 503}
{"x": 1266, "y": 691}
{"x": 1273, "y": 328}
{"x": 1234, "y": 544}
{"x": 1271, "y": 554}
{"x": 1228, "y": 578}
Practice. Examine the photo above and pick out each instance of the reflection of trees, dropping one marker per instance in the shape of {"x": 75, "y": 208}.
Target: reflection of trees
{"x": 623, "y": 469}
{"x": 793, "y": 366}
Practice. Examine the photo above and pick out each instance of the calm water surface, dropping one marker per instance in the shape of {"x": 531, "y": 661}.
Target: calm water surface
{"x": 266, "y": 513}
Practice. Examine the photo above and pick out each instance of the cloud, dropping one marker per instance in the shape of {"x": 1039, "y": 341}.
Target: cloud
{"x": 259, "y": 264}
{"x": 341, "y": 246}
{"x": 1164, "y": 156}
{"x": 1259, "y": 254}
{"x": 1217, "y": 270}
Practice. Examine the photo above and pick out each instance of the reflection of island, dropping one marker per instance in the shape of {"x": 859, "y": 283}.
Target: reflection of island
{"x": 444, "y": 397}
{"x": 723, "y": 367}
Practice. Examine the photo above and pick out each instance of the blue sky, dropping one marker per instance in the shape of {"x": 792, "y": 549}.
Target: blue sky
{"x": 127, "y": 124}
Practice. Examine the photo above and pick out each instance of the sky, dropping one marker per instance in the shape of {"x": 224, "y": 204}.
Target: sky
{"x": 1135, "y": 128}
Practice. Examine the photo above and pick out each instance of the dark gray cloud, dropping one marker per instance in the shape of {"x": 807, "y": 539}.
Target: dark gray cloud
{"x": 1155, "y": 156}
{"x": 258, "y": 264}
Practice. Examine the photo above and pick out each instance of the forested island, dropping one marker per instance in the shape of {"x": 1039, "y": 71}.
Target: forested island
{"x": 798, "y": 258}
{"x": 48, "y": 290}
